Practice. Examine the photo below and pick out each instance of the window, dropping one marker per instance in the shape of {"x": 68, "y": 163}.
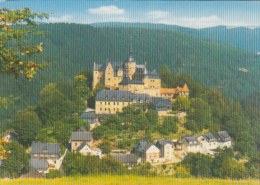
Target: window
{"x": 100, "y": 103}
{"x": 101, "y": 109}
{"x": 117, "y": 103}
{"x": 117, "y": 109}
{"x": 105, "y": 109}
{"x": 114, "y": 109}
{"x": 114, "y": 103}
{"x": 108, "y": 103}
{"x": 105, "y": 103}
{"x": 108, "y": 78}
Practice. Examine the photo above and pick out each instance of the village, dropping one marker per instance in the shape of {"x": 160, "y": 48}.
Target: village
{"x": 127, "y": 84}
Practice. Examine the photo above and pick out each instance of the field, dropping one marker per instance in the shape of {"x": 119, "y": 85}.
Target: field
{"x": 126, "y": 180}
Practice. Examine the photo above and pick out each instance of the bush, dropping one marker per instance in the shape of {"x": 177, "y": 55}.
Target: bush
{"x": 181, "y": 175}
{"x": 53, "y": 174}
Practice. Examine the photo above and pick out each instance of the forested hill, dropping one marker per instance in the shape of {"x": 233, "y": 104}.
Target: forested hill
{"x": 241, "y": 37}
{"x": 72, "y": 48}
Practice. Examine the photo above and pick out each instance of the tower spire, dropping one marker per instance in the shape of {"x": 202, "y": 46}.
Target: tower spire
{"x": 131, "y": 46}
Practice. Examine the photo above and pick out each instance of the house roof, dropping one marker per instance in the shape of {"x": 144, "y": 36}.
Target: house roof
{"x": 144, "y": 145}
{"x": 128, "y": 81}
{"x": 114, "y": 95}
{"x": 33, "y": 173}
{"x": 125, "y": 158}
{"x": 46, "y": 148}
{"x": 164, "y": 141}
{"x": 189, "y": 139}
{"x": 39, "y": 164}
{"x": 209, "y": 137}
{"x": 158, "y": 101}
{"x": 88, "y": 115}
{"x": 115, "y": 65}
{"x": 168, "y": 90}
{"x": 81, "y": 136}
{"x": 141, "y": 97}
{"x": 84, "y": 144}
{"x": 222, "y": 136}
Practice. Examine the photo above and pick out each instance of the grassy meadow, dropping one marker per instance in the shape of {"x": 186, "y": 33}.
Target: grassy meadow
{"x": 126, "y": 180}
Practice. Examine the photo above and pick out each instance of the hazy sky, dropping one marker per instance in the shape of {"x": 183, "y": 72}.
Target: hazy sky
{"x": 194, "y": 14}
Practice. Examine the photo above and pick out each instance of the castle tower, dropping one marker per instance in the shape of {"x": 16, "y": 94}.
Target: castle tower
{"x": 130, "y": 64}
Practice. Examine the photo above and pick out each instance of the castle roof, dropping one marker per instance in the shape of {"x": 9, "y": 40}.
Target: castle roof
{"x": 168, "y": 90}
{"x": 185, "y": 88}
{"x": 114, "y": 95}
{"x": 175, "y": 90}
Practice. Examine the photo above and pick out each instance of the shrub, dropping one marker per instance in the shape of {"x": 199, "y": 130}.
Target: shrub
{"x": 53, "y": 174}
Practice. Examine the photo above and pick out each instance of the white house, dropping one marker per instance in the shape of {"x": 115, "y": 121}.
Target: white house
{"x": 189, "y": 143}
{"x": 85, "y": 149}
{"x": 166, "y": 148}
{"x": 147, "y": 151}
{"x": 223, "y": 139}
{"x": 208, "y": 143}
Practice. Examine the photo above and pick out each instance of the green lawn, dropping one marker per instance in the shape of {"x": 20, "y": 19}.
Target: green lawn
{"x": 125, "y": 180}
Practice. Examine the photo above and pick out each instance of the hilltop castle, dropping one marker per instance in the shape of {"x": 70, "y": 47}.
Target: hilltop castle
{"x": 130, "y": 77}
{"x": 127, "y": 76}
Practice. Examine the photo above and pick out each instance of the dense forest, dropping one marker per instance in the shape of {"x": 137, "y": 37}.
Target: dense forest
{"x": 72, "y": 48}
{"x": 240, "y": 37}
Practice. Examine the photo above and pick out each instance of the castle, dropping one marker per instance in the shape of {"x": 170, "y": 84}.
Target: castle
{"x": 130, "y": 77}
{"x": 127, "y": 76}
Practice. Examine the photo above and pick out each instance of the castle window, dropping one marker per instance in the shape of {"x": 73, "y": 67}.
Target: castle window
{"x": 105, "y": 109}
{"x": 109, "y": 79}
{"x": 108, "y": 103}
{"x": 105, "y": 103}
{"x": 100, "y": 109}
{"x": 109, "y": 109}
{"x": 117, "y": 103}
{"x": 100, "y": 103}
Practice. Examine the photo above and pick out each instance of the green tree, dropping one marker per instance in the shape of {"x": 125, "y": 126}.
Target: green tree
{"x": 27, "y": 125}
{"x": 152, "y": 116}
{"x": 105, "y": 146}
{"x": 81, "y": 86}
{"x": 16, "y": 162}
{"x": 181, "y": 104}
{"x": 170, "y": 125}
{"x": 200, "y": 113}
{"x": 112, "y": 122}
{"x": 199, "y": 164}
{"x": 166, "y": 77}
{"x": 53, "y": 105}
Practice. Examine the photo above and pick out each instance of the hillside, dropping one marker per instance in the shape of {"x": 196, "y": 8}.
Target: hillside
{"x": 72, "y": 48}
{"x": 244, "y": 38}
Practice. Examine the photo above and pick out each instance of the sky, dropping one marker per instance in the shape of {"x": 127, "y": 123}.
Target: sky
{"x": 193, "y": 14}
